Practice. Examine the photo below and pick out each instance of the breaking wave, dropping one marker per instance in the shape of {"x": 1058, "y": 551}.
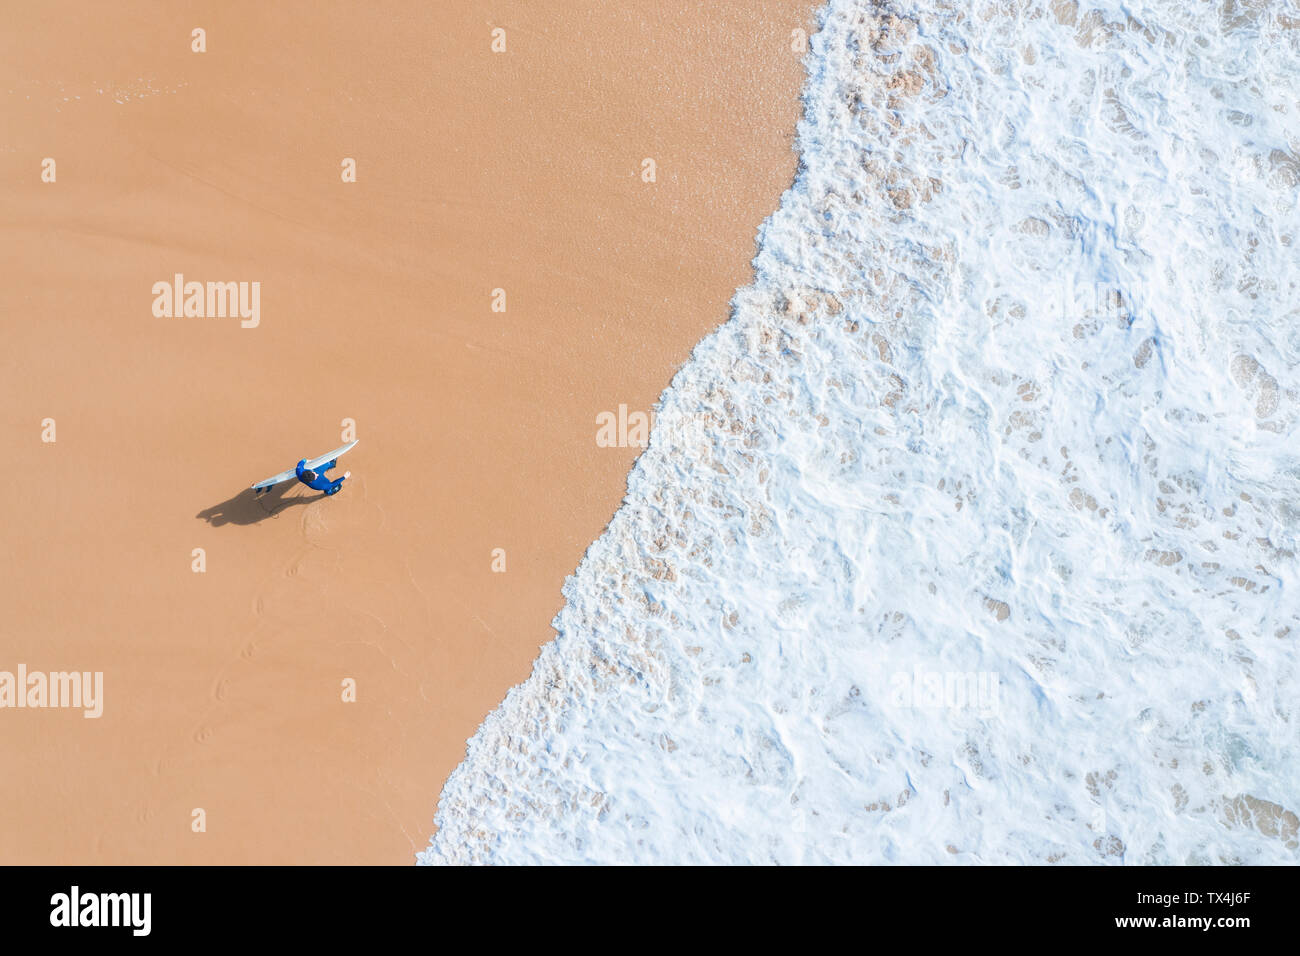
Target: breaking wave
{"x": 971, "y": 536}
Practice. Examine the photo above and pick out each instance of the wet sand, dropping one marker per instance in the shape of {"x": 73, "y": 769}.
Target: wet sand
{"x": 475, "y": 171}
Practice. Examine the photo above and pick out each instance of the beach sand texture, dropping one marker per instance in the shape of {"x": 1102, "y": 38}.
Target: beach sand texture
{"x": 475, "y": 171}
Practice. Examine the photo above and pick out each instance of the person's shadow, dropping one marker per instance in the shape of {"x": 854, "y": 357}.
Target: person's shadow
{"x": 248, "y": 507}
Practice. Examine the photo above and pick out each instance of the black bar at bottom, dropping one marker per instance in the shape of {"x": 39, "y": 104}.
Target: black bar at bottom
{"x": 873, "y": 905}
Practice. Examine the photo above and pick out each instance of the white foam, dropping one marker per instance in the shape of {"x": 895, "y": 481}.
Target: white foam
{"x": 1013, "y": 397}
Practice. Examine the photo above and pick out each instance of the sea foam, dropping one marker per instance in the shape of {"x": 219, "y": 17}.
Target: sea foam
{"x": 971, "y": 536}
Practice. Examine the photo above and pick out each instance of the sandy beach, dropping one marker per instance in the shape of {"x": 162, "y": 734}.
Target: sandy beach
{"x": 224, "y": 669}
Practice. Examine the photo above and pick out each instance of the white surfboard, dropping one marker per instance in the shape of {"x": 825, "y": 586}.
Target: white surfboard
{"x": 330, "y": 456}
{"x": 313, "y": 464}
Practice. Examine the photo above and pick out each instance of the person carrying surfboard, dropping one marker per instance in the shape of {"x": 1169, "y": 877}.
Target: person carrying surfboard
{"x": 318, "y": 480}
{"x": 311, "y": 473}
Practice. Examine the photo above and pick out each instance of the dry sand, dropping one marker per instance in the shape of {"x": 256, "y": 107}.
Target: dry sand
{"x": 475, "y": 171}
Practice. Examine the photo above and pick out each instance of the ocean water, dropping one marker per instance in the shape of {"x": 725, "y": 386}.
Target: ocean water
{"x": 971, "y": 536}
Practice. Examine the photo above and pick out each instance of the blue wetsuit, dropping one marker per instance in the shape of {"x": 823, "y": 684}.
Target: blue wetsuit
{"x": 321, "y": 482}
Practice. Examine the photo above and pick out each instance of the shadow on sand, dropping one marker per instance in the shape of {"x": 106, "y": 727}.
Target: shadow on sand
{"x": 250, "y": 508}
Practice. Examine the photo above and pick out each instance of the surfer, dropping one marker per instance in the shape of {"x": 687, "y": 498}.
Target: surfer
{"x": 318, "y": 479}
{"x": 311, "y": 472}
